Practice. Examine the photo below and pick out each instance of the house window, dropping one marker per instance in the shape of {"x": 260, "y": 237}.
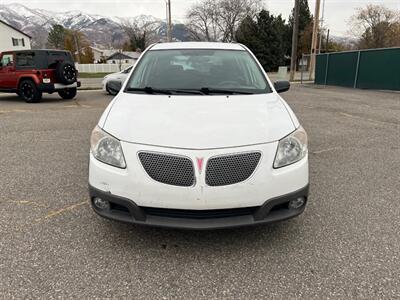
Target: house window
{"x": 18, "y": 42}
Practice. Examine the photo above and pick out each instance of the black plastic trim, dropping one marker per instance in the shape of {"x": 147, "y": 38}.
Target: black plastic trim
{"x": 46, "y": 87}
{"x": 137, "y": 215}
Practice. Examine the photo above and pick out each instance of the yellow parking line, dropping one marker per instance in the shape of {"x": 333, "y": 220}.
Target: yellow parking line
{"x": 325, "y": 150}
{"x": 27, "y": 202}
{"x": 367, "y": 119}
{"x": 61, "y": 211}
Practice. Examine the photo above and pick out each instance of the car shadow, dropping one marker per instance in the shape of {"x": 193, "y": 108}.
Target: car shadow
{"x": 266, "y": 236}
{"x": 54, "y": 98}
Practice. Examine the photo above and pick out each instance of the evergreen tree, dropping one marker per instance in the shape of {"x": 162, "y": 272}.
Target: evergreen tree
{"x": 264, "y": 36}
{"x": 305, "y": 30}
{"x": 56, "y": 37}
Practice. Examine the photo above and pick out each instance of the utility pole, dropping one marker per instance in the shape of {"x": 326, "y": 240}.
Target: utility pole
{"x": 314, "y": 37}
{"x": 295, "y": 37}
{"x": 77, "y": 46}
{"x": 327, "y": 42}
{"x": 322, "y": 26}
{"x": 169, "y": 21}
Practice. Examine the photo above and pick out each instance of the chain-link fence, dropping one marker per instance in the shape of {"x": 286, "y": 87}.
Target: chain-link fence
{"x": 304, "y": 68}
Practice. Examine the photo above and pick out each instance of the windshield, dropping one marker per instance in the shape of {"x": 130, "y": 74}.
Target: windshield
{"x": 204, "y": 70}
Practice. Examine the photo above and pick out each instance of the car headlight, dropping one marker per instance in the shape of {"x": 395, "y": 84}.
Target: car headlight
{"x": 107, "y": 148}
{"x": 291, "y": 148}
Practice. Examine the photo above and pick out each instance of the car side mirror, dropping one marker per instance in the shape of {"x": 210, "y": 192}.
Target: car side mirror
{"x": 114, "y": 85}
{"x": 282, "y": 86}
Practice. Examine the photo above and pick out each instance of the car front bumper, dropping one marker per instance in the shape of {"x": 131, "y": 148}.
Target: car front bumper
{"x": 126, "y": 210}
{"x": 234, "y": 204}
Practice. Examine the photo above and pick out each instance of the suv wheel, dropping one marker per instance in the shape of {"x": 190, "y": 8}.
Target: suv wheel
{"x": 28, "y": 91}
{"x": 68, "y": 93}
{"x": 66, "y": 72}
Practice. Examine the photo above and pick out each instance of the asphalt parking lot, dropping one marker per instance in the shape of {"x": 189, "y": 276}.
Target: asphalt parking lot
{"x": 345, "y": 245}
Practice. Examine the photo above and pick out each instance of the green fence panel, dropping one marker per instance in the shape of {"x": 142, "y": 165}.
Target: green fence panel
{"x": 342, "y": 68}
{"x": 320, "y": 68}
{"x": 379, "y": 69}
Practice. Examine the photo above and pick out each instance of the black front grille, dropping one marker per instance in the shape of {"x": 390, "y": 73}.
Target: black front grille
{"x": 199, "y": 214}
{"x": 231, "y": 169}
{"x": 168, "y": 169}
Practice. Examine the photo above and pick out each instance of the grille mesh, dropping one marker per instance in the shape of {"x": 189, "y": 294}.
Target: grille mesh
{"x": 168, "y": 169}
{"x": 231, "y": 169}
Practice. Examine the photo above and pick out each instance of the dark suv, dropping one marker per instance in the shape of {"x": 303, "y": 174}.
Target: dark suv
{"x": 30, "y": 73}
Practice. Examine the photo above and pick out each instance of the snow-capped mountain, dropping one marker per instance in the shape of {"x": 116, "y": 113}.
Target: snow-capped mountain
{"x": 98, "y": 29}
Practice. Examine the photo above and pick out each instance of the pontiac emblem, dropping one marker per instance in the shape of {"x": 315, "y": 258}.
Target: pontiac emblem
{"x": 200, "y": 163}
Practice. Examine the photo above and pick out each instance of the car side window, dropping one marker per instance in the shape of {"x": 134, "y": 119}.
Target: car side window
{"x": 25, "y": 59}
{"x": 7, "y": 60}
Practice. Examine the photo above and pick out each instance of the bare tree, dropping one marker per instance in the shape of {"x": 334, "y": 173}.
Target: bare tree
{"x": 203, "y": 19}
{"x": 218, "y": 20}
{"x": 141, "y": 35}
{"x": 232, "y": 12}
{"x": 376, "y": 27}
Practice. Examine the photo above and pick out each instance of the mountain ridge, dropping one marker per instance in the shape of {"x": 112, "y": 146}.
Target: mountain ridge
{"x": 99, "y": 30}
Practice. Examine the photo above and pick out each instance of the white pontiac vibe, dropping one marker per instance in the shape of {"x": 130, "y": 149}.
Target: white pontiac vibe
{"x": 198, "y": 137}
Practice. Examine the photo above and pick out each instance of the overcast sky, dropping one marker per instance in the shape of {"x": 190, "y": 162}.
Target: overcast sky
{"x": 337, "y": 12}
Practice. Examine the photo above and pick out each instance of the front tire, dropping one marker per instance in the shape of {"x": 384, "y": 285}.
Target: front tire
{"x": 28, "y": 91}
{"x": 68, "y": 93}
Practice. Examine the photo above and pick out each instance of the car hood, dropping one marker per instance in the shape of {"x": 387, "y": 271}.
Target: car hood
{"x": 113, "y": 75}
{"x": 198, "y": 122}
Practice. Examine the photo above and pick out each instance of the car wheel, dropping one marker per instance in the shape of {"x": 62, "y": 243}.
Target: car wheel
{"x": 66, "y": 73}
{"x": 68, "y": 93}
{"x": 111, "y": 91}
{"x": 28, "y": 91}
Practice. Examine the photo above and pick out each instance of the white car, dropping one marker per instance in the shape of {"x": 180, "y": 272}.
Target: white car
{"x": 110, "y": 81}
{"x": 198, "y": 137}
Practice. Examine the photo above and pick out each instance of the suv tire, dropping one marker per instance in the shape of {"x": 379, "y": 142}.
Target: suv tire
{"x": 66, "y": 72}
{"x": 68, "y": 93}
{"x": 28, "y": 91}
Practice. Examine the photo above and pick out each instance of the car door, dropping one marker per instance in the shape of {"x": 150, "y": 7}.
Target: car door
{"x": 8, "y": 78}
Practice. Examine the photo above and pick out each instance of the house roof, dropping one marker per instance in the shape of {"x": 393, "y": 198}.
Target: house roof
{"x": 16, "y": 29}
{"x": 132, "y": 54}
{"x": 124, "y": 55}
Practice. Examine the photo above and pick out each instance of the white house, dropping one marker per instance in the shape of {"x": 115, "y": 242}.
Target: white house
{"x": 12, "y": 38}
{"x": 101, "y": 54}
{"x": 125, "y": 57}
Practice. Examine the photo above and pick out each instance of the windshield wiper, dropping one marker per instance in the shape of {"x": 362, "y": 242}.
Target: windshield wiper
{"x": 150, "y": 90}
{"x": 207, "y": 91}
{"x": 189, "y": 91}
